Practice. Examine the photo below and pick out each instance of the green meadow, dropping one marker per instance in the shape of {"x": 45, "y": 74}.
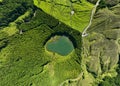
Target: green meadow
{"x": 78, "y": 20}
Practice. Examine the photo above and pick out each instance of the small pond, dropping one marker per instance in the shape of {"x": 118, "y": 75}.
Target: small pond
{"x": 60, "y": 45}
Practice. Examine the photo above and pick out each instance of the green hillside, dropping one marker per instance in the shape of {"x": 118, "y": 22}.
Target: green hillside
{"x": 74, "y": 13}
{"x": 41, "y": 43}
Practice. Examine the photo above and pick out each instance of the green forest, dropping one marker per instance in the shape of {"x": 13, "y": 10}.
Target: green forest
{"x": 59, "y": 43}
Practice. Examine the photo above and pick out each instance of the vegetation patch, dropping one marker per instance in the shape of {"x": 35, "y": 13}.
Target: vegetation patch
{"x": 75, "y": 14}
{"x": 33, "y": 42}
{"x": 23, "y": 57}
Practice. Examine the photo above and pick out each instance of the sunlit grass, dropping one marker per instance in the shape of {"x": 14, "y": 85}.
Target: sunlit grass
{"x": 1, "y": 0}
{"x": 79, "y": 20}
{"x": 11, "y": 29}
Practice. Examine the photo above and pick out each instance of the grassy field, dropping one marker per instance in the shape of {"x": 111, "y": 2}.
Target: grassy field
{"x": 62, "y": 10}
{"x": 1, "y": 0}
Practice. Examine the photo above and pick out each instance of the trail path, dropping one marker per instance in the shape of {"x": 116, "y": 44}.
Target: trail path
{"x": 73, "y": 80}
{"x": 84, "y": 33}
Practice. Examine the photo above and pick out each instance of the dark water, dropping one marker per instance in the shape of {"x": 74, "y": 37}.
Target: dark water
{"x": 61, "y": 45}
